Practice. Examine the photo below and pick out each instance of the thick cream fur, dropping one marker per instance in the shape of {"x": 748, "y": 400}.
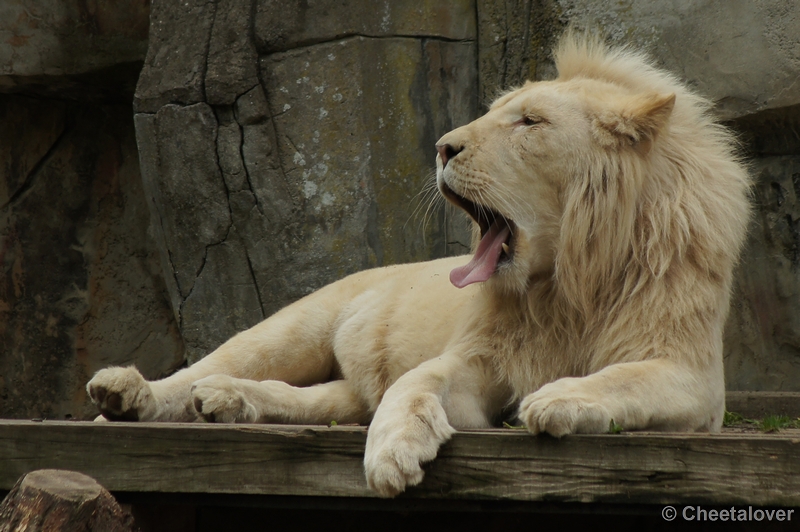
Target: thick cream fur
{"x": 629, "y": 209}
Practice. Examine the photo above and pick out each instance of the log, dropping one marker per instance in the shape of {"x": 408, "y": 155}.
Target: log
{"x": 53, "y": 500}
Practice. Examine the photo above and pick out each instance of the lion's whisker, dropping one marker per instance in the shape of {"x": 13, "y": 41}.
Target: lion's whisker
{"x": 427, "y": 197}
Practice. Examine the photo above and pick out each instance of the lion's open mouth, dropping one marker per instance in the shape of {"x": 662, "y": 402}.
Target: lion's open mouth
{"x": 497, "y": 241}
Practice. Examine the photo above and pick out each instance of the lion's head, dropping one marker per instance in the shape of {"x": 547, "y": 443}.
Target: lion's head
{"x": 602, "y": 180}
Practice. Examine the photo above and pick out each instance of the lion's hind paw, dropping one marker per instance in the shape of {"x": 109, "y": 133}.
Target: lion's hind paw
{"x": 218, "y": 400}
{"x": 121, "y": 394}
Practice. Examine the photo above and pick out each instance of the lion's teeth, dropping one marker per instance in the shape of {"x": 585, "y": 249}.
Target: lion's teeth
{"x": 505, "y": 248}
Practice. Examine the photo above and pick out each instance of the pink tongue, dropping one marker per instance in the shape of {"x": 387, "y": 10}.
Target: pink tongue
{"x": 484, "y": 263}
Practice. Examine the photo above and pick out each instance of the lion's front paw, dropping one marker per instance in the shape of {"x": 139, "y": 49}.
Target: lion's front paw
{"x": 397, "y": 445}
{"x": 559, "y": 409}
{"x": 122, "y": 394}
{"x": 219, "y": 400}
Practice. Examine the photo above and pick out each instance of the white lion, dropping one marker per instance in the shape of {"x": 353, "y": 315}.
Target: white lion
{"x": 609, "y": 210}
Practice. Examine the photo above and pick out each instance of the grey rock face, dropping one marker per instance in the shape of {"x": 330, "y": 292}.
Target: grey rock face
{"x": 281, "y": 26}
{"x": 72, "y": 48}
{"x": 293, "y": 170}
{"x": 232, "y": 59}
{"x": 762, "y": 337}
{"x": 515, "y": 39}
{"x": 192, "y": 217}
{"x": 175, "y": 65}
{"x": 189, "y": 191}
{"x": 741, "y": 53}
{"x": 81, "y": 284}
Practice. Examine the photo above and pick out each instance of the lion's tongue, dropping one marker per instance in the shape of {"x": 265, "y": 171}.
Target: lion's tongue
{"x": 484, "y": 263}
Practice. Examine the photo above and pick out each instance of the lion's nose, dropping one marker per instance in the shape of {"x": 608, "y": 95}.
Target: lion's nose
{"x": 447, "y": 152}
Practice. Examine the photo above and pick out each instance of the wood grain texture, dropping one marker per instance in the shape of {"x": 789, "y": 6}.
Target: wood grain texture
{"x": 501, "y": 464}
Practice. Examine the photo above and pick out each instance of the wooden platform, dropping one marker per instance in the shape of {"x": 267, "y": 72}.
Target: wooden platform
{"x": 489, "y": 465}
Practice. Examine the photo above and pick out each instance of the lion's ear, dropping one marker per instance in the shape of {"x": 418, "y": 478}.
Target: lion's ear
{"x": 635, "y": 121}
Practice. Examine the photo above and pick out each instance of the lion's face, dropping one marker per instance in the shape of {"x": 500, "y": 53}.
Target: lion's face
{"x": 513, "y": 169}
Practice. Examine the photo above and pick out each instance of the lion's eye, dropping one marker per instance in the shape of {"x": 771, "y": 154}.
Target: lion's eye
{"x": 531, "y": 120}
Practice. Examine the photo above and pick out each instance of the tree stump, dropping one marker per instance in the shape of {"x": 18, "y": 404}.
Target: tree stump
{"x": 52, "y": 500}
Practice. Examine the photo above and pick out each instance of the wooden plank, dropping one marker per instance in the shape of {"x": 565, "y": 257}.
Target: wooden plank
{"x": 174, "y": 457}
{"x": 756, "y": 405}
{"x": 652, "y": 468}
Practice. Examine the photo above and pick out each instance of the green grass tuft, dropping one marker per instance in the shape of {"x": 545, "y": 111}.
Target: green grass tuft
{"x": 733, "y": 418}
{"x": 773, "y": 423}
{"x": 776, "y": 423}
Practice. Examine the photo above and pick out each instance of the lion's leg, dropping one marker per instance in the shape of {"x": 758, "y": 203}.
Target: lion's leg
{"x": 419, "y": 412}
{"x": 658, "y": 394}
{"x": 293, "y": 345}
{"x": 220, "y": 398}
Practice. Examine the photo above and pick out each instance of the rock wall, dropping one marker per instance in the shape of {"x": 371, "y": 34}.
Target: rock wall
{"x": 76, "y": 49}
{"x": 290, "y": 150}
{"x": 81, "y": 285}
